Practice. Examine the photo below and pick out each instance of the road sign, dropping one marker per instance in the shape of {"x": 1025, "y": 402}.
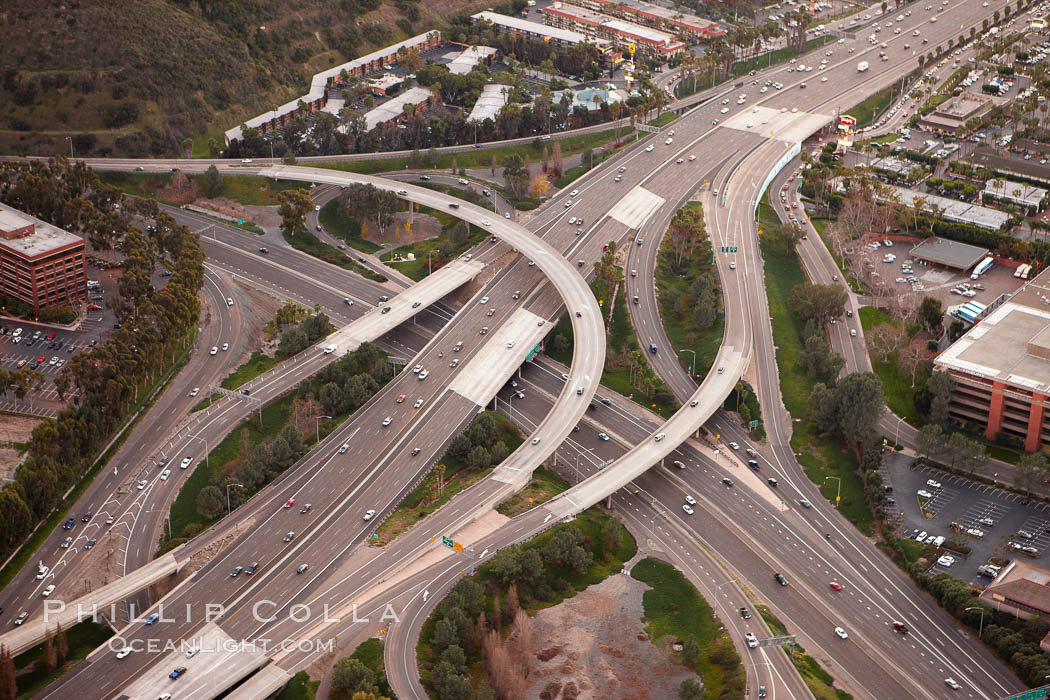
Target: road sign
{"x": 1034, "y": 694}
{"x": 532, "y": 352}
{"x": 729, "y": 249}
{"x": 630, "y": 49}
{"x": 240, "y": 222}
{"x": 777, "y": 641}
{"x": 647, "y": 128}
{"x": 752, "y": 425}
{"x": 447, "y": 541}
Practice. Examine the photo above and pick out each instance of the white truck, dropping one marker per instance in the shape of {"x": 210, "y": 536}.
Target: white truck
{"x": 862, "y": 66}
{"x": 982, "y": 267}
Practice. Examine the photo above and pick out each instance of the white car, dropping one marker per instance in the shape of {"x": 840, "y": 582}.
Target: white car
{"x": 668, "y": 141}
{"x": 214, "y": 350}
{"x": 225, "y": 347}
{"x": 725, "y": 110}
{"x": 165, "y": 474}
{"x": 141, "y": 485}
{"x": 933, "y": 484}
{"x": 950, "y": 682}
{"x": 196, "y": 390}
{"x": 946, "y": 561}
{"x": 386, "y": 421}
{"x": 650, "y": 146}
{"x": 692, "y": 158}
{"x": 369, "y": 514}
{"x": 842, "y": 634}
{"x": 417, "y": 369}
{"x": 687, "y": 509}
{"x": 185, "y": 462}
{"x": 734, "y": 446}
{"x": 123, "y": 652}
{"x": 486, "y": 222}
{"x": 229, "y": 301}
{"x": 853, "y": 332}
{"x": 574, "y": 193}
{"x": 48, "y": 591}
{"x": 42, "y": 573}
{"x": 752, "y": 642}
{"x": 191, "y": 652}
{"x": 690, "y": 500}
{"x": 923, "y": 493}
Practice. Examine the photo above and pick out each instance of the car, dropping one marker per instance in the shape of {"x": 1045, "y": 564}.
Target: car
{"x": 165, "y": 474}
{"x": 387, "y": 421}
{"x": 923, "y": 493}
{"x": 752, "y": 641}
{"x": 424, "y": 374}
{"x": 486, "y": 222}
{"x": 21, "y": 618}
{"x": 658, "y": 437}
{"x": 727, "y": 481}
{"x": 289, "y": 503}
{"x": 417, "y": 369}
{"x": 946, "y": 561}
{"x": 252, "y": 569}
{"x": 842, "y": 634}
{"x": 302, "y": 568}
{"x": 236, "y": 571}
{"x": 694, "y": 403}
{"x": 288, "y": 536}
{"x": 68, "y": 525}
{"x": 400, "y": 398}
{"x": 779, "y": 578}
{"x": 385, "y": 309}
{"x": 48, "y": 591}
{"x": 306, "y": 508}
{"x": 418, "y": 403}
{"x": 835, "y": 585}
{"x": 853, "y": 332}
{"x": 986, "y": 521}
{"x": 721, "y": 370}
{"x": 933, "y": 484}
{"x": 177, "y": 672}
{"x": 214, "y": 350}
{"x": 1025, "y": 534}
{"x": 152, "y": 618}
{"x": 650, "y": 146}
{"x": 745, "y": 614}
{"x": 734, "y": 445}
{"x": 368, "y": 514}
{"x": 900, "y": 627}
{"x": 951, "y": 683}
{"x": 123, "y": 652}
{"x": 142, "y": 484}
{"x": 344, "y": 447}
{"x": 603, "y": 437}
{"x": 66, "y": 542}
{"x": 192, "y": 651}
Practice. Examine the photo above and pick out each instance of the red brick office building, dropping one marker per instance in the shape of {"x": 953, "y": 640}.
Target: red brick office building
{"x": 40, "y": 264}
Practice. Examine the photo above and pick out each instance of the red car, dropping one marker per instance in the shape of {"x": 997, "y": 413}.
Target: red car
{"x": 401, "y": 398}
{"x": 42, "y": 359}
{"x": 634, "y": 273}
{"x": 94, "y": 307}
{"x": 834, "y": 585}
{"x": 51, "y": 335}
{"x": 289, "y": 503}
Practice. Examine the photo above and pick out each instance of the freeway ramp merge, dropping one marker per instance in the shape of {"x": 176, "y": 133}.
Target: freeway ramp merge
{"x": 495, "y": 363}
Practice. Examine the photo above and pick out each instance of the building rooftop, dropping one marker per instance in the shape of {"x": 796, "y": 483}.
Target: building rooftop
{"x": 963, "y": 106}
{"x": 960, "y": 256}
{"x": 954, "y": 210}
{"x": 320, "y": 81}
{"x": 395, "y": 107}
{"x": 585, "y": 97}
{"x": 1011, "y": 343}
{"x": 44, "y": 239}
{"x": 1022, "y": 583}
{"x": 673, "y": 16}
{"x": 620, "y": 26}
{"x": 465, "y": 61}
{"x": 525, "y": 26}
{"x": 1028, "y": 168}
{"x": 1019, "y": 192}
{"x": 492, "y": 99}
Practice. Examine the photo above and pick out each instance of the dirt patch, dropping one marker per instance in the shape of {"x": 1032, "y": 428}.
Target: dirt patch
{"x": 398, "y": 233}
{"x": 14, "y": 429}
{"x": 263, "y": 216}
{"x": 594, "y": 646}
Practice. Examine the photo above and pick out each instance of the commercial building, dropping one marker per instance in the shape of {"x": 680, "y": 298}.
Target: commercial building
{"x": 561, "y": 39}
{"x": 492, "y": 99}
{"x": 1001, "y": 368}
{"x": 317, "y": 97}
{"x": 1023, "y": 590}
{"x": 956, "y": 112}
{"x": 40, "y": 264}
{"x": 950, "y": 209}
{"x": 685, "y": 26}
{"x": 950, "y": 254}
{"x": 1033, "y": 198}
{"x": 1007, "y": 165}
{"x": 591, "y": 98}
{"x": 647, "y": 41}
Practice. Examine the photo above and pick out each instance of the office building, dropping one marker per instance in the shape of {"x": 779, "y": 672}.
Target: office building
{"x": 40, "y": 264}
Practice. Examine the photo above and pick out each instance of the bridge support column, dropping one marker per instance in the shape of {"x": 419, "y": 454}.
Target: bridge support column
{"x": 608, "y": 502}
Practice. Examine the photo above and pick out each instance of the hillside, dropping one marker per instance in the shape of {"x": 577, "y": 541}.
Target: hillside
{"x": 140, "y": 77}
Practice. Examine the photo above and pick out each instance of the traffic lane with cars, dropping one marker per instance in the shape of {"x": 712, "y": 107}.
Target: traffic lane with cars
{"x": 103, "y": 497}
{"x": 985, "y": 518}
{"x": 695, "y": 466}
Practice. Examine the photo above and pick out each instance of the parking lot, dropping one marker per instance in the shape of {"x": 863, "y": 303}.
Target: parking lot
{"x": 994, "y": 523}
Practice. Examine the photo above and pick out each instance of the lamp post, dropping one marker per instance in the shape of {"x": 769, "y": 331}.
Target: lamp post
{"x": 980, "y": 631}
{"x": 430, "y": 262}
{"x": 694, "y": 358}
{"x": 589, "y": 449}
{"x": 70, "y": 139}
{"x": 838, "y": 490}
{"x": 228, "y": 508}
{"x": 207, "y": 453}
{"x": 317, "y": 427}
{"x": 897, "y": 432}
{"x": 719, "y": 588}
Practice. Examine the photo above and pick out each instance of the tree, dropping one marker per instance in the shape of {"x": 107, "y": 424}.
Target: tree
{"x": 818, "y": 360}
{"x": 913, "y": 357}
{"x": 352, "y": 676}
{"x": 690, "y": 689}
{"x": 939, "y": 387}
{"x": 885, "y": 340}
{"x": 539, "y": 185}
{"x": 211, "y": 183}
{"x": 690, "y": 652}
{"x": 786, "y": 237}
{"x": 294, "y": 204}
{"x": 210, "y": 502}
{"x": 930, "y": 440}
{"x": 687, "y": 228}
{"x": 820, "y": 302}
{"x": 8, "y": 682}
{"x": 931, "y": 312}
{"x": 850, "y": 409}
{"x": 1031, "y": 470}
{"x": 506, "y": 565}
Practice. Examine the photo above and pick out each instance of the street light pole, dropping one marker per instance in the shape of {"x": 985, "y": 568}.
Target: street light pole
{"x": 430, "y": 262}
{"x": 838, "y": 490}
{"x": 71, "y": 156}
{"x": 897, "y": 433}
{"x": 228, "y": 508}
{"x": 980, "y": 631}
{"x": 694, "y": 358}
{"x": 207, "y": 453}
{"x": 317, "y": 427}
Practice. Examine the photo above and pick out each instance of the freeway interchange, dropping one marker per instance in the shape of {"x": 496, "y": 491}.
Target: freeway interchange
{"x": 752, "y": 534}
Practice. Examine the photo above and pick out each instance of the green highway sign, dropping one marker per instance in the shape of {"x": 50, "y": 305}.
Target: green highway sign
{"x": 1034, "y": 694}
{"x": 447, "y": 541}
{"x": 729, "y": 249}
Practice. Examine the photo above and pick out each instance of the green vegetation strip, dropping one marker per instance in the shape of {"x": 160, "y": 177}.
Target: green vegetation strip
{"x": 545, "y": 484}
{"x": 815, "y": 677}
{"x": 821, "y": 458}
{"x": 256, "y": 365}
{"x": 306, "y": 242}
{"x": 300, "y": 687}
{"x": 32, "y": 675}
{"x": 347, "y": 229}
{"x": 676, "y": 612}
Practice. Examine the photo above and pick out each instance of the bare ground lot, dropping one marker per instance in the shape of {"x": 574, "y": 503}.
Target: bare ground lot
{"x": 16, "y": 429}
{"x": 594, "y": 646}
